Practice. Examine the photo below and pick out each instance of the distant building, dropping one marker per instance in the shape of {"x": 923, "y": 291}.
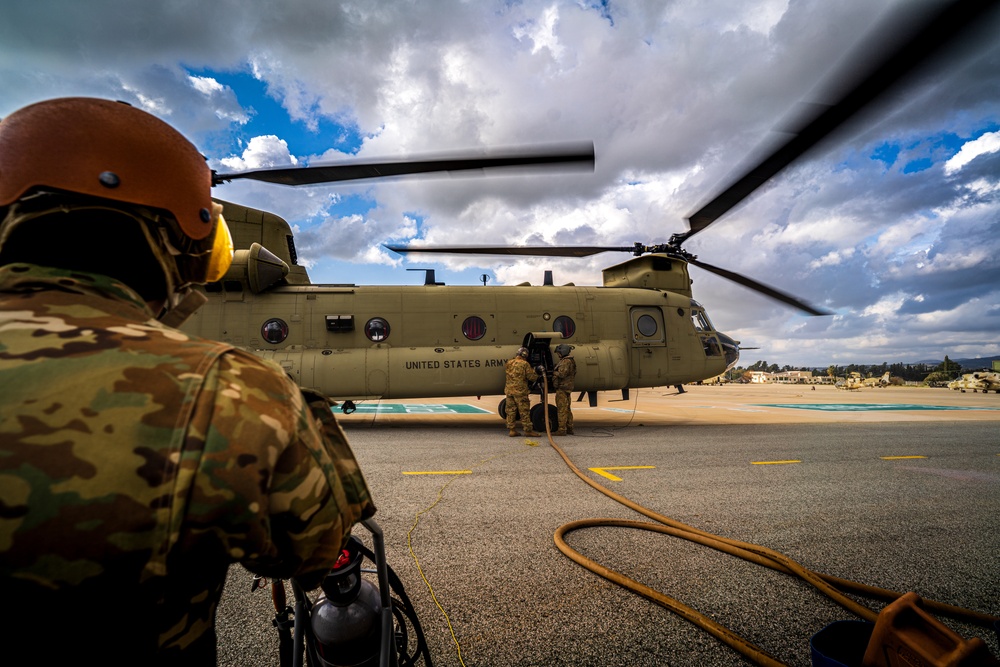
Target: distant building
{"x": 792, "y": 377}
{"x": 789, "y": 377}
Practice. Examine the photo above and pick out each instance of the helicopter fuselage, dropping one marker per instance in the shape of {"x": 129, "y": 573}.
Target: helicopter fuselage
{"x": 361, "y": 342}
{"x": 642, "y": 328}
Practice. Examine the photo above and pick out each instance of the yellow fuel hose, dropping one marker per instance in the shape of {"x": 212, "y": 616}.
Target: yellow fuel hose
{"x": 832, "y": 587}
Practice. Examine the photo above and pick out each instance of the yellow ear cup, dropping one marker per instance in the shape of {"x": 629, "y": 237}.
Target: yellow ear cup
{"x": 222, "y": 248}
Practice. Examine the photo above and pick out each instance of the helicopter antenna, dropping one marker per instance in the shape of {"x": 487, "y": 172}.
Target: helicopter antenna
{"x": 429, "y": 277}
{"x": 485, "y": 278}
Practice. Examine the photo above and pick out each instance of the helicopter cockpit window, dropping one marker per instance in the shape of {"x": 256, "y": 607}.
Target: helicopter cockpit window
{"x": 700, "y": 320}
{"x": 377, "y": 329}
{"x": 712, "y": 348}
{"x": 565, "y": 325}
{"x": 274, "y": 331}
{"x": 473, "y": 327}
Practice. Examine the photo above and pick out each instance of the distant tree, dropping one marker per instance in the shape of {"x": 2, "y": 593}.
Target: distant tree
{"x": 950, "y": 368}
{"x": 937, "y": 377}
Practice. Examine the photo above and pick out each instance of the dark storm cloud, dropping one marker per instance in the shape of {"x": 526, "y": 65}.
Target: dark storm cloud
{"x": 675, "y": 96}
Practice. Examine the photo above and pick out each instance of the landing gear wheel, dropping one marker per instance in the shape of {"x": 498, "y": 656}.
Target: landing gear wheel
{"x": 348, "y": 407}
{"x": 538, "y": 418}
{"x": 502, "y": 410}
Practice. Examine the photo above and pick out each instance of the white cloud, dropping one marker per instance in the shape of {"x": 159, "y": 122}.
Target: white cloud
{"x": 262, "y": 152}
{"x": 206, "y": 85}
{"x": 987, "y": 143}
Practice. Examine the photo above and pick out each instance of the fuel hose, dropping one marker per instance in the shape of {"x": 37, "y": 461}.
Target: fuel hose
{"x": 834, "y": 588}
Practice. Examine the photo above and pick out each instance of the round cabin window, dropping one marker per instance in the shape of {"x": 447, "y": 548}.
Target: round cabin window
{"x": 646, "y": 325}
{"x": 565, "y": 325}
{"x": 377, "y": 329}
{"x": 473, "y": 327}
{"x": 274, "y": 331}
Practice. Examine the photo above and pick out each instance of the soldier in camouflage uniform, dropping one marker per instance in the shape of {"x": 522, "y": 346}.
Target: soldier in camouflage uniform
{"x": 519, "y": 376}
{"x": 137, "y": 462}
{"x": 562, "y": 381}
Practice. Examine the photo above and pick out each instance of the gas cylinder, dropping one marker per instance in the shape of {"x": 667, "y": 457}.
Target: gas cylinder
{"x": 346, "y": 620}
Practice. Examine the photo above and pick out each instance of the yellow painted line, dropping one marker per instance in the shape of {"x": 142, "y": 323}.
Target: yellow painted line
{"x": 774, "y": 463}
{"x": 897, "y": 458}
{"x": 438, "y": 472}
{"x": 614, "y": 478}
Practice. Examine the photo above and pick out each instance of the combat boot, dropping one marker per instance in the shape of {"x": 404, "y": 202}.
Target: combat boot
{"x": 513, "y": 433}
{"x": 559, "y": 432}
{"x": 532, "y": 432}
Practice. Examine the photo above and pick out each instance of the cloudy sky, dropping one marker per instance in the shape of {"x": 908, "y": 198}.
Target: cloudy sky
{"x": 893, "y": 223}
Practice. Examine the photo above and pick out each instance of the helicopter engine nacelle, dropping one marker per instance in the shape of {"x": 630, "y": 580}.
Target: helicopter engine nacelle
{"x": 257, "y": 267}
{"x": 653, "y": 271}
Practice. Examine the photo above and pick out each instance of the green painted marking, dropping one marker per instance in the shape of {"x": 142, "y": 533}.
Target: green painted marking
{"x": 865, "y": 407}
{"x": 419, "y": 409}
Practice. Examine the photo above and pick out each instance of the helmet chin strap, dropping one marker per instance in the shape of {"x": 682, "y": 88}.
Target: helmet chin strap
{"x": 191, "y": 301}
{"x": 181, "y": 299}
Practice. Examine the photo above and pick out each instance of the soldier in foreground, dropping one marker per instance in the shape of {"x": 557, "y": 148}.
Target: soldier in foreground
{"x": 519, "y": 377}
{"x": 562, "y": 381}
{"x": 136, "y": 462}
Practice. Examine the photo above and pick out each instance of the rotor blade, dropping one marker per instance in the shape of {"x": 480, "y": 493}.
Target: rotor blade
{"x": 934, "y": 31}
{"x": 576, "y": 154}
{"x": 761, "y": 287}
{"x": 537, "y": 251}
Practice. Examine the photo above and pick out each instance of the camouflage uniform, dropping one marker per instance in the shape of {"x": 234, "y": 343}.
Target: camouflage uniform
{"x": 137, "y": 463}
{"x": 519, "y": 375}
{"x": 562, "y": 381}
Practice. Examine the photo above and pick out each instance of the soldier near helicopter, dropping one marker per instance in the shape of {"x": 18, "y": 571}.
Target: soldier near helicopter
{"x": 520, "y": 375}
{"x": 562, "y": 382}
{"x": 139, "y": 462}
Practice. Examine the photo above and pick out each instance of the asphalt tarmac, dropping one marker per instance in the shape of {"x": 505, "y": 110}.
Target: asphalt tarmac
{"x": 897, "y": 488}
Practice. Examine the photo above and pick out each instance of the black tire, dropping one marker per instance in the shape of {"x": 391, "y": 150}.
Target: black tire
{"x": 502, "y": 409}
{"x": 538, "y": 418}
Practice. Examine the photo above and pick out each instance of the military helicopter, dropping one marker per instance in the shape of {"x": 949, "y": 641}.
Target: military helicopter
{"x": 641, "y": 328}
{"x": 984, "y": 381}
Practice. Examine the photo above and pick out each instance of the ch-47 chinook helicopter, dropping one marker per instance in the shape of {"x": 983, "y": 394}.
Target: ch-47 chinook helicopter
{"x": 641, "y": 328}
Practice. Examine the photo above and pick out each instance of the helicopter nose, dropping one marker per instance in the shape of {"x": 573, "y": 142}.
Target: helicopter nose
{"x": 731, "y": 348}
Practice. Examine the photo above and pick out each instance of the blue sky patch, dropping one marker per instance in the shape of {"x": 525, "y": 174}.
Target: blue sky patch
{"x": 920, "y": 164}
{"x": 267, "y": 116}
{"x": 887, "y": 153}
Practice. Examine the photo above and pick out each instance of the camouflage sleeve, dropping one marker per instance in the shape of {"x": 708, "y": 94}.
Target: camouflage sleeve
{"x": 558, "y": 374}
{"x": 562, "y": 376}
{"x": 277, "y": 480}
{"x": 529, "y": 373}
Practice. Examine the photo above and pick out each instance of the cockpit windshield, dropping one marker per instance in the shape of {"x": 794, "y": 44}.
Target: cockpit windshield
{"x": 700, "y": 320}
